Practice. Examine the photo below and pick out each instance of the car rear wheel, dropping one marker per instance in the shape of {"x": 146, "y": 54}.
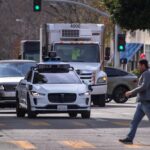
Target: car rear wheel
{"x": 19, "y": 111}
{"x": 30, "y": 113}
{"x": 99, "y": 100}
{"x": 86, "y": 114}
{"x": 73, "y": 114}
{"x": 119, "y": 94}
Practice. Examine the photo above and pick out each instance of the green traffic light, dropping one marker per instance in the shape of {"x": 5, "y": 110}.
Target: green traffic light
{"x": 121, "y": 48}
{"x": 37, "y": 7}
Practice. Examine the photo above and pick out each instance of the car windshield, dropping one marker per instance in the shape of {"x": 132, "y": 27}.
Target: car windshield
{"x": 78, "y": 52}
{"x": 56, "y": 78}
{"x": 15, "y": 69}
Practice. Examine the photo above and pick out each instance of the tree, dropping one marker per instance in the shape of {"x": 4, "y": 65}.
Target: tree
{"x": 130, "y": 14}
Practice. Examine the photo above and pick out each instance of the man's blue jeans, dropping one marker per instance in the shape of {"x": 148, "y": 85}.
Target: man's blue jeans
{"x": 142, "y": 109}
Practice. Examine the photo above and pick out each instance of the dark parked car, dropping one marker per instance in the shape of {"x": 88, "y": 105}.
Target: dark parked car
{"x": 119, "y": 82}
{"x": 11, "y": 72}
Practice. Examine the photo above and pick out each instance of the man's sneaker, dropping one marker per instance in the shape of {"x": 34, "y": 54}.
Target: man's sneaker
{"x": 126, "y": 141}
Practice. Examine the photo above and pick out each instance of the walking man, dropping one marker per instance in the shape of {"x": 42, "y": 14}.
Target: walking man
{"x": 143, "y": 99}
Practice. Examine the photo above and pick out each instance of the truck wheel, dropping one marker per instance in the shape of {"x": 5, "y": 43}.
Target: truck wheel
{"x": 19, "y": 111}
{"x": 119, "y": 94}
{"x": 30, "y": 113}
{"x": 73, "y": 114}
{"x": 99, "y": 100}
{"x": 86, "y": 114}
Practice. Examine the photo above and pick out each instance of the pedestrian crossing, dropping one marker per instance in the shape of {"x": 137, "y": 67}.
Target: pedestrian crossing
{"x": 73, "y": 144}
{"x": 25, "y": 145}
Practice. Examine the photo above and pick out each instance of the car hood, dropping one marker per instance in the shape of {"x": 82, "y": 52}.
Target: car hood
{"x": 10, "y": 79}
{"x": 61, "y": 88}
{"x": 85, "y": 66}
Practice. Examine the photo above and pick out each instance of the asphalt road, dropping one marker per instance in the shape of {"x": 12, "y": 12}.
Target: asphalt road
{"x": 59, "y": 132}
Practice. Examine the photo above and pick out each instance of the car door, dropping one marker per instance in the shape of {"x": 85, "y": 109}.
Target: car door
{"x": 113, "y": 77}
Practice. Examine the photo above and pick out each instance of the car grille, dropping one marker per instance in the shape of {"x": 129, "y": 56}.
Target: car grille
{"x": 9, "y": 87}
{"x": 86, "y": 76}
{"x": 62, "y": 97}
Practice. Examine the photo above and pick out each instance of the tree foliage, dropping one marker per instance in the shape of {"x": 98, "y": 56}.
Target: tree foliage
{"x": 130, "y": 14}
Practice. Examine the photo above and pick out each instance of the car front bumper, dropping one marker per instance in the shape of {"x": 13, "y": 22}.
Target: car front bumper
{"x": 99, "y": 89}
{"x": 43, "y": 105}
{"x": 7, "y": 96}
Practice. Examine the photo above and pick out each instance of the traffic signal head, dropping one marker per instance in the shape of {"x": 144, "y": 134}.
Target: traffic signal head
{"x": 121, "y": 42}
{"x": 37, "y": 5}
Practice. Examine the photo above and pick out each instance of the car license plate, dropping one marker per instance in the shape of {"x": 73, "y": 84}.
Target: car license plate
{"x": 61, "y": 107}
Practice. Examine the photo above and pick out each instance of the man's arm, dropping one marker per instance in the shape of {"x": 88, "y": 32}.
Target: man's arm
{"x": 144, "y": 85}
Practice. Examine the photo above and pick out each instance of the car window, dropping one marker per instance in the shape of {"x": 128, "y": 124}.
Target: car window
{"x": 113, "y": 72}
{"x": 9, "y": 72}
{"x": 16, "y": 68}
{"x": 56, "y": 78}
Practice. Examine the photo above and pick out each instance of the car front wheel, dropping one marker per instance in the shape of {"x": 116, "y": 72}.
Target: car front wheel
{"x": 19, "y": 111}
{"x": 30, "y": 113}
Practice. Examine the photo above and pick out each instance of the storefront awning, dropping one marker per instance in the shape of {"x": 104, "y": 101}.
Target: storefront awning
{"x": 131, "y": 50}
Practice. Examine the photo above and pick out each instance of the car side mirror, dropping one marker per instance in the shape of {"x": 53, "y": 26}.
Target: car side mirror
{"x": 90, "y": 88}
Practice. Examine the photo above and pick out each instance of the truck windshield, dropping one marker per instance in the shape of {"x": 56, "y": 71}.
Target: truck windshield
{"x": 78, "y": 52}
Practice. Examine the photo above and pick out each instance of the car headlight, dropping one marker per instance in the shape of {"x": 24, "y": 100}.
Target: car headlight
{"x": 84, "y": 94}
{"x": 1, "y": 87}
{"x": 102, "y": 80}
{"x": 34, "y": 93}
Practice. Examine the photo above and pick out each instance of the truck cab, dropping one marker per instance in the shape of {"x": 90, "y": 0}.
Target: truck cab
{"x": 81, "y": 45}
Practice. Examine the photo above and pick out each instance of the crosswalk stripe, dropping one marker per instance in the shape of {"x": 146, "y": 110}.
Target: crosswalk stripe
{"x": 121, "y": 123}
{"x": 78, "y": 144}
{"x": 24, "y": 144}
{"x": 134, "y": 146}
{"x": 39, "y": 123}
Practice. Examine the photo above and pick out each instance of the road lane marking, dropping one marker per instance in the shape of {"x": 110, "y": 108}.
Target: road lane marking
{"x": 78, "y": 144}
{"x": 121, "y": 123}
{"x": 39, "y": 123}
{"x": 80, "y": 124}
{"x": 134, "y": 146}
{"x": 24, "y": 144}
{"x": 2, "y": 124}
{"x": 99, "y": 119}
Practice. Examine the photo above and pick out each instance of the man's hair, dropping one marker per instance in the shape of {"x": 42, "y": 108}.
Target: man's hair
{"x": 144, "y": 62}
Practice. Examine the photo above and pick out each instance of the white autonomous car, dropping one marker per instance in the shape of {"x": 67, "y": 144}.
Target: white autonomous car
{"x": 53, "y": 87}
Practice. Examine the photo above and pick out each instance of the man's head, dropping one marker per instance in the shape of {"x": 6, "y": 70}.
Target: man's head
{"x": 143, "y": 65}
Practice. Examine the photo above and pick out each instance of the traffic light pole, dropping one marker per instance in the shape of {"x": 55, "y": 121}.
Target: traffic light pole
{"x": 116, "y": 52}
{"x": 41, "y": 44}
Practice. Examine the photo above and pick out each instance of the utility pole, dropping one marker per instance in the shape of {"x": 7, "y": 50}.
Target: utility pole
{"x": 41, "y": 43}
